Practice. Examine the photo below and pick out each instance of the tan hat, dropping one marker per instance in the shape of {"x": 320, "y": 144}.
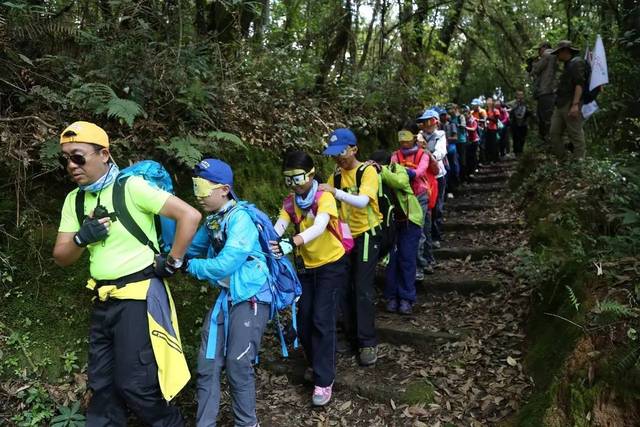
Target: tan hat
{"x": 85, "y": 132}
{"x": 564, "y": 44}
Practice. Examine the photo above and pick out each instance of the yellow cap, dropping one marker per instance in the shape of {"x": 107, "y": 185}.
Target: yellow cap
{"x": 85, "y": 132}
{"x": 405, "y": 135}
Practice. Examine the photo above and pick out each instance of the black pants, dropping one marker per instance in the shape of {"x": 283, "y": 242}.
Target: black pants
{"x": 545, "y": 111}
{"x": 317, "y": 317}
{"x": 462, "y": 160}
{"x": 472, "y": 157}
{"x": 504, "y": 140}
{"x": 437, "y": 213}
{"x": 519, "y": 137}
{"x": 122, "y": 369}
{"x": 357, "y": 301}
{"x": 491, "y": 144}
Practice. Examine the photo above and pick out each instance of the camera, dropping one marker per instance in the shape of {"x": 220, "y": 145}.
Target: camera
{"x": 101, "y": 212}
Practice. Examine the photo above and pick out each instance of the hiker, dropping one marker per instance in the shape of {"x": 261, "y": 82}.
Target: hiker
{"x": 567, "y": 115}
{"x": 435, "y": 142}
{"x": 491, "y": 132}
{"x": 543, "y": 72}
{"x": 473, "y": 142}
{"x": 503, "y": 131}
{"x": 416, "y": 161}
{"x": 355, "y": 187}
{"x": 519, "y": 126}
{"x": 400, "y": 284}
{"x": 226, "y": 252}
{"x": 461, "y": 144}
{"x": 323, "y": 271}
{"x": 127, "y": 369}
{"x": 453, "y": 172}
{"x": 480, "y": 114}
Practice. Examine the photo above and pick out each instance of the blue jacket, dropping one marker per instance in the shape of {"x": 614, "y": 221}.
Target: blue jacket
{"x": 234, "y": 258}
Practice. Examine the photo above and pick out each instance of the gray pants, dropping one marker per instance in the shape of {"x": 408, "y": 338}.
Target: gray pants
{"x": 246, "y": 325}
{"x": 545, "y": 110}
{"x": 561, "y": 122}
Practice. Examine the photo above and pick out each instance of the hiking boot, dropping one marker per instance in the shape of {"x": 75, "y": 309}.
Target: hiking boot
{"x": 405, "y": 307}
{"x": 368, "y": 356}
{"x": 308, "y": 375}
{"x": 419, "y": 276}
{"x": 436, "y": 244}
{"x": 428, "y": 269}
{"x": 392, "y": 305}
{"x": 321, "y": 395}
{"x": 343, "y": 346}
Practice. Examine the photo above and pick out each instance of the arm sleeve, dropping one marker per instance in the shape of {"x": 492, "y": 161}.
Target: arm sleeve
{"x": 440, "y": 151}
{"x": 357, "y": 200}
{"x": 242, "y": 236}
{"x": 539, "y": 65}
{"x": 474, "y": 125}
{"x": 578, "y": 73}
{"x": 281, "y": 226}
{"x": 319, "y": 225}
{"x": 394, "y": 158}
{"x": 199, "y": 244}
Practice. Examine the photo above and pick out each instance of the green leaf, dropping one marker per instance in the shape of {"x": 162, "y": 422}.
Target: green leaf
{"x": 185, "y": 149}
{"x": 123, "y": 109}
{"x": 227, "y": 137}
{"x": 25, "y": 59}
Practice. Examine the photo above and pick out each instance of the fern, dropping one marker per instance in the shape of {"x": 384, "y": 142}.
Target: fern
{"x": 573, "y": 298}
{"x": 187, "y": 150}
{"x": 101, "y": 99}
{"x": 615, "y": 309}
{"x": 630, "y": 359}
{"x": 227, "y": 137}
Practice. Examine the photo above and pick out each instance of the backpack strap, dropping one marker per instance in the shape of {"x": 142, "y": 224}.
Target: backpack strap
{"x": 123, "y": 214}
{"x": 80, "y": 206}
{"x": 359, "y": 174}
{"x": 337, "y": 179}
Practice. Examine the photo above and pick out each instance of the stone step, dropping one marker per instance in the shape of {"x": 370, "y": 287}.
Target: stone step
{"x": 445, "y": 282}
{"x": 462, "y": 252}
{"x": 464, "y": 205}
{"x": 488, "y": 178}
{"x": 398, "y": 330}
{"x": 477, "y": 188}
{"x": 365, "y": 382}
{"x": 476, "y": 226}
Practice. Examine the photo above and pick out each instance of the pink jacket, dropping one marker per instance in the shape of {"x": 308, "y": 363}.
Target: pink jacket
{"x": 419, "y": 184}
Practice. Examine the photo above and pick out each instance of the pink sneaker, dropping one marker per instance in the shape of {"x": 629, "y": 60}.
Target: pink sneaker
{"x": 321, "y": 395}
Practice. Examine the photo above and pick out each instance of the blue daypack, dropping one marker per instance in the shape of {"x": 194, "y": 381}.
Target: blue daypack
{"x": 283, "y": 280}
{"x": 156, "y": 175}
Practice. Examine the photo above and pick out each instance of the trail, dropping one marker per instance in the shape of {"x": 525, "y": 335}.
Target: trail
{"x": 456, "y": 361}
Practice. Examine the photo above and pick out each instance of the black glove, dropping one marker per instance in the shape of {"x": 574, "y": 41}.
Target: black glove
{"x": 91, "y": 231}
{"x": 162, "y": 268}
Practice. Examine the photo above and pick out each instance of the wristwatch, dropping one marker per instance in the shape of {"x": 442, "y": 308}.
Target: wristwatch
{"x": 174, "y": 262}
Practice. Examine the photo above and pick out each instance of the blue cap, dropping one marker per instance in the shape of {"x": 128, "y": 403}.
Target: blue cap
{"x": 339, "y": 140}
{"x": 475, "y": 102}
{"x": 428, "y": 114}
{"x": 215, "y": 170}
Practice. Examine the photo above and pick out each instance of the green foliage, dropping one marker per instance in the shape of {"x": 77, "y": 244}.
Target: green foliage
{"x": 69, "y": 417}
{"x": 573, "y": 298}
{"x": 615, "y": 309}
{"x": 101, "y": 99}
{"x": 38, "y": 407}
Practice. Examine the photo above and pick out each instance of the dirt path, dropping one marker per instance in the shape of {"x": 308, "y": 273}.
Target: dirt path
{"x": 455, "y": 361}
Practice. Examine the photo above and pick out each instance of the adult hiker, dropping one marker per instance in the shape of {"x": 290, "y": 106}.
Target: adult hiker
{"x": 435, "y": 142}
{"x": 567, "y": 116}
{"x": 473, "y": 142}
{"x": 503, "y": 128}
{"x": 462, "y": 142}
{"x": 355, "y": 187}
{"x": 129, "y": 367}
{"x": 519, "y": 122}
{"x": 543, "y": 71}
{"x": 491, "y": 132}
{"x": 453, "y": 172}
{"x": 400, "y": 284}
{"x": 416, "y": 161}
{"x": 230, "y": 258}
{"x": 323, "y": 268}
{"x": 480, "y": 114}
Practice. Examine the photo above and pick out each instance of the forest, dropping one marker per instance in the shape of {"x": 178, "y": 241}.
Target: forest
{"x": 248, "y": 81}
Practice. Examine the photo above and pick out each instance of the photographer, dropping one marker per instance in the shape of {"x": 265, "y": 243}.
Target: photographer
{"x": 543, "y": 71}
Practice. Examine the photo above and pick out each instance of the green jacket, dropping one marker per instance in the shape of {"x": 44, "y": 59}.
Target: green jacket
{"x": 396, "y": 177}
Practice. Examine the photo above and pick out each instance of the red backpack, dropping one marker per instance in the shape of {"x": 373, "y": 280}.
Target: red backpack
{"x": 342, "y": 232}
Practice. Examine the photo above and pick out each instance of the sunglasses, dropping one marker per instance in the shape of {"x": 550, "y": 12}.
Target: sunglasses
{"x": 343, "y": 153}
{"x": 300, "y": 178}
{"x": 78, "y": 159}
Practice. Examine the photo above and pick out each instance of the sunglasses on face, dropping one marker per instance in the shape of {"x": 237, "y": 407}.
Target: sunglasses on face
{"x": 297, "y": 177}
{"x": 343, "y": 153}
{"x": 78, "y": 159}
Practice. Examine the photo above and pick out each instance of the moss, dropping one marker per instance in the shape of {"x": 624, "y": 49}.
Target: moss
{"x": 419, "y": 392}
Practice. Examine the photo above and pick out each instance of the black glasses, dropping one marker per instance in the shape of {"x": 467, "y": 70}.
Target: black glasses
{"x": 78, "y": 159}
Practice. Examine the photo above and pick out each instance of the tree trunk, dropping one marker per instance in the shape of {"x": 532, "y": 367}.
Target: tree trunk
{"x": 200, "y": 19}
{"x": 449, "y": 26}
{"x": 464, "y": 72}
{"x": 337, "y": 46}
{"x": 383, "y": 15}
{"x": 367, "y": 40}
{"x": 418, "y": 25}
{"x": 262, "y": 23}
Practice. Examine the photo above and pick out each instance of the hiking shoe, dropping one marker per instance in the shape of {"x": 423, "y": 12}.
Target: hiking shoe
{"x": 321, "y": 395}
{"x": 343, "y": 346}
{"x": 405, "y": 307}
{"x": 436, "y": 244}
{"x": 419, "y": 276}
{"x": 308, "y": 375}
{"x": 368, "y": 356}
{"x": 392, "y": 305}
{"x": 428, "y": 269}
{"x": 450, "y": 196}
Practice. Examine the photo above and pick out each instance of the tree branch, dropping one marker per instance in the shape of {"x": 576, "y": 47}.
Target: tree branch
{"x": 36, "y": 118}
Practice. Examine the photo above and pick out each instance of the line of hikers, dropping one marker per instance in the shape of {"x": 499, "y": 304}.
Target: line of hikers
{"x": 389, "y": 206}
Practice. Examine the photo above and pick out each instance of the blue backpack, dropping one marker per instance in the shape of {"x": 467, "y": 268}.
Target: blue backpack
{"x": 155, "y": 174}
{"x": 283, "y": 280}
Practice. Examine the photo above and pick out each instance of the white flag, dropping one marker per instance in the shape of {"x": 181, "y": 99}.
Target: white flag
{"x": 599, "y": 71}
